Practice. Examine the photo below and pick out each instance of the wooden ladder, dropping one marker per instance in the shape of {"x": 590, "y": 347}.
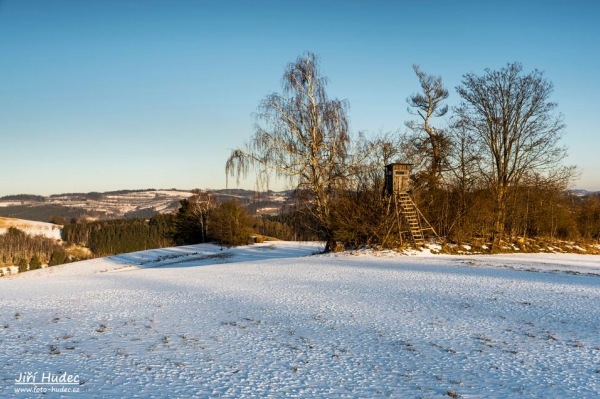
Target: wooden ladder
{"x": 414, "y": 218}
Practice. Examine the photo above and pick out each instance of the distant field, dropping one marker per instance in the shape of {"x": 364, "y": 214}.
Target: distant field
{"x": 43, "y": 213}
{"x": 111, "y": 205}
{"x": 31, "y": 227}
{"x": 125, "y": 203}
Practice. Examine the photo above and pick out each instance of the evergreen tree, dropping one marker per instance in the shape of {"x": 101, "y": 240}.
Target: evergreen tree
{"x": 23, "y": 266}
{"x": 58, "y": 258}
{"x": 231, "y": 224}
{"x": 35, "y": 263}
{"x": 189, "y": 223}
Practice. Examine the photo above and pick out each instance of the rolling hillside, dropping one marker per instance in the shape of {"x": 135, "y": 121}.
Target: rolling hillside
{"x": 31, "y": 227}
{"x": 124, "y": 203}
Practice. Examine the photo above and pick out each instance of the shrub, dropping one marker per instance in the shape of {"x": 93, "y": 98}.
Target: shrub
{"x": 23, "y": 266}
{"x": 35, "y": 263}
{"x": 58, "y": 258}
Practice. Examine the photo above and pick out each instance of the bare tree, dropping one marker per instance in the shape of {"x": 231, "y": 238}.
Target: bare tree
{"x": 515, "y": 128}
{"x": 303, "y": 138}
{"x": 193, "y": 217}
{"x": 426, "y": 105}
{"x": 201, "y": 205}
{"x": 462, "y": 176}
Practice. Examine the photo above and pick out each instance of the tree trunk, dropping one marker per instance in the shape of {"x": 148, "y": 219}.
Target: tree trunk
{"x": 499, "y": 215}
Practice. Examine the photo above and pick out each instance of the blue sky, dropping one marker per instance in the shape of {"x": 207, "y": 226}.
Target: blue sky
{"x": 108, "y": 95}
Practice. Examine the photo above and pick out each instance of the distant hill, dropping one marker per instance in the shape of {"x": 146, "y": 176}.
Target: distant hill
{"x": 23, "y": 197}
{"x": 31, "y": 227}
{"x": 582, "y": 193}
{"x": 125, "y": 203}
{"x": 93, "y": 205}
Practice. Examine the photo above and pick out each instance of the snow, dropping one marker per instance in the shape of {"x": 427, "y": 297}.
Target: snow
{"x": 269, "y": 321}
{"x": 543, "y": 262}
{"x": 4, "y": 204}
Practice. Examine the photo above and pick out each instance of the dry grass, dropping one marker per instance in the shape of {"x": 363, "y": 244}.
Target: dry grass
{"x": 523, "y": 245}
{"x": 261, "y": 238}
{"x": 78, "y": 251}
{"x": 5, "y": 223}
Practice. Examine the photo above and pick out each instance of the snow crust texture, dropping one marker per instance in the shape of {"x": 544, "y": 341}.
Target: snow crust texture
{"x": 265, "y": 321}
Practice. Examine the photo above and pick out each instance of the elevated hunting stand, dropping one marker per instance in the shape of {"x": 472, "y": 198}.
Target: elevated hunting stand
{"x": 397, "y": 178}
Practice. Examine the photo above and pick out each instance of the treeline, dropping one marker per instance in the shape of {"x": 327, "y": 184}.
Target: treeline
{"x": 532, "y": 211}
{"x": 365, "y": 218}
{"x": 111, "y": 237}
{"x": 202, "y": 218}
{"x": 489, "y": 169}
{"x": 588, "y": 216}
{"x": 29, "y": 252}
{"x": 24, "y": 197}
{"x": 97, "y": 195}
{"x": 199, "y": 219}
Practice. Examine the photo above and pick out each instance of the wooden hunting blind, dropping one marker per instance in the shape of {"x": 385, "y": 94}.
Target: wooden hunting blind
{"x": 397, "y": 177}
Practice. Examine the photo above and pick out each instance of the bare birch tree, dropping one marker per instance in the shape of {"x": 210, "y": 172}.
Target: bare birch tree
{"x": 201, "y": 204}
{"x": 515, "y": 128}
{"x": 301, "y": 135}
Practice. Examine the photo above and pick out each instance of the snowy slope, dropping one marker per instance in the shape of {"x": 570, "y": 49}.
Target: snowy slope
{"x": 30, "y": 227}
{"x": 266, "y": 321}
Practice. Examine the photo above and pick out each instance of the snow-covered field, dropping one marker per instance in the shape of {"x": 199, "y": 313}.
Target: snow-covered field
{"x": 267, "y": 321}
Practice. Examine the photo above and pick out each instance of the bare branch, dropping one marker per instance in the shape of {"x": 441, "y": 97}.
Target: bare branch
{"x": 426, "y": 105}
